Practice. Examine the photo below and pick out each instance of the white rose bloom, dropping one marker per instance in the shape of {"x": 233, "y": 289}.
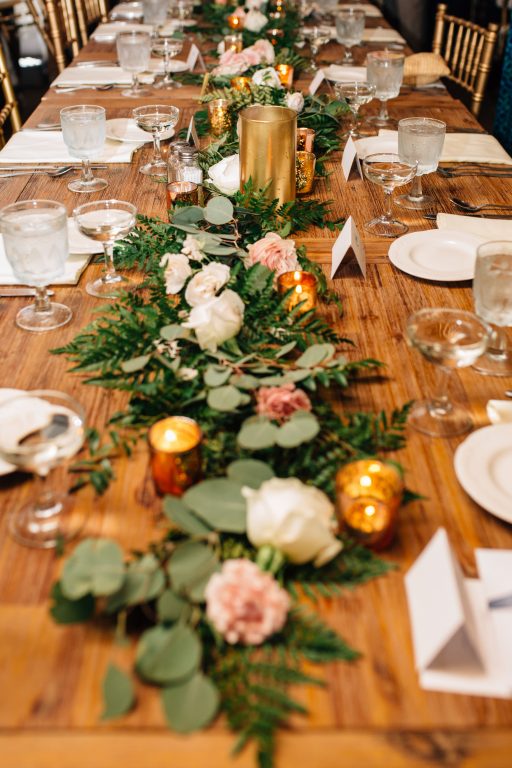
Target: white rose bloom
{"x": 205, "y": 284}
{"x": 221, "y": 48}
{"x": 254, "y": 21}
{"x": 267, "y": 76}
{"x": 187, "y": 374}
{"x": 254, "y": 5}
{"x": 295, "y": 101}
{"x": 217, "y": 320}
{"x": 192, "y": 248}
{"x": 177, "y": 271}
{"x": 294, "y": 518}
{"x": 225, "y": 175}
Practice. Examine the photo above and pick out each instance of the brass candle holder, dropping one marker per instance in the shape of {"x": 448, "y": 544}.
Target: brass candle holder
{"x": 285, "y": 72}
{"x": 175, "y": 445}
{"x": 305, "y": 139}
{"x": 241, "y": 83}
{"x": 368, "y": 495}
{"x": 181, "y": 192}
{"x": 219, "y": 116}
{"x": 275, "y": 35}
{"x": 234, "y": 42}
{"x": 234, "y": 21}
{"x": 305, "y": 179}
{"x": 304, "y": 286}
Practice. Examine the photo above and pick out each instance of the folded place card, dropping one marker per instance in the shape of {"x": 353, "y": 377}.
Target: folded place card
{"x": 316, "y": 82}
{"x": 193, "y": 56}
{"x": 348, "y": 243}
{"x": 348, "y": 157}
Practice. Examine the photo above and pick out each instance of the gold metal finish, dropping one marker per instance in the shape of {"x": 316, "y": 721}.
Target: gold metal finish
{"x": 63, "y": 30}
{"x": 9, "y": 110}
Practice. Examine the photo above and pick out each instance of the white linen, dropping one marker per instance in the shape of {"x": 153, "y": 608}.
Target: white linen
{"x": 491, "y": 229}
{"x": 382, "y": 35}
{"x": 127, "y": 11}
{"x": 339, "y": 74}
{"x": 48, "y": 147}
{"x": 107, "y": 32}
{"x": 499, "y": 411}
{"x": 92, "y": 76}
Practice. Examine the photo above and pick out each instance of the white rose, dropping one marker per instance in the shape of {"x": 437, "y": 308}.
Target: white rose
{"x": 254, "y": 20}
{"x": 225, "y": 175}
{"x": 294, "y": 518}
{"x": 192, "y": 248}
{"x": 217, "y": 320}
{"x": 221, "y": 48}
{"x": 205, "y": 284}
{"x": 267, "y": 76}
{"x": 254, "y": 5}
{"x": 295, "y": 101}
{"x": 177, "y": 271}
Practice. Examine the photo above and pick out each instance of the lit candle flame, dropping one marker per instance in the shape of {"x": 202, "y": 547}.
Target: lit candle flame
{"x": 370, "y": 510}
{"x": 296, "y": 276}
{"x": 298, "y": 289}
{"x": 170, "y": 436}
{"x": 365, "y": 481}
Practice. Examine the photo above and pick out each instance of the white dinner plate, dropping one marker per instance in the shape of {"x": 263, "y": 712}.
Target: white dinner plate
{"x": 442, "y": 255}
{"x": 125, "y": 129}
{"x": 7, "y": 394}
{"x": 339, "y": 74}
{"x": 483, "y": 465}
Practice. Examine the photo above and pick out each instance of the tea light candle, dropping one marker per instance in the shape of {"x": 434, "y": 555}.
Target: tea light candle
{"x": 304, "y": 286}
{"x": 219, "y": 116}
{"x": 185, "y": 192}
{"x": 274, "y": 35}
{"x": 234, "y": 42}
{"x": 175, "y": 445}
{"x": 285, "y": 72}
{"x": 241, "y": 83}
{"x": 234, "y": 21}
{"x": 305, "y": 139}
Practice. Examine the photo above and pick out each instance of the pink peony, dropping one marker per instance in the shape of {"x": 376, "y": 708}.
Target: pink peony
{"x": 279, "y": 403}
{"x": 244, "y": 604}
{"x": 265, "y": 49}
{"x": 273, "y": 252}
{"x": 231, "y": 63}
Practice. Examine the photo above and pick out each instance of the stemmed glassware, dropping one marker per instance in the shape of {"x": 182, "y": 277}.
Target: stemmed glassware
{"x": 107, "y": 221}
{"x": 420, "y": 139}
{"x": 35, "y": 236}
{"x": 155, "y": 12}
{"x": 388, "y": 171}
{"x": 349, "y": 30}
{"x": 492, "y": 290}
{"x": 134, "y": 53}
{"x": 318, "y": 37}
{"x": 39, "y": 431}
{"x": 355, "y": 95}
{"x": 156, "y": 119}
{"x": 83, "y": 131}
{"x": 168, "y": 48}
{"x": 449, "y": 338}
{"x": 385, "y": 69}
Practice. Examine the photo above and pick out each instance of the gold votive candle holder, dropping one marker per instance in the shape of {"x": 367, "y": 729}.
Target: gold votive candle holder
{"x": 219, "y": 116}
{"x": 285, "y": 72}
{"x": 241, "y": 83}
{"x": 234, "y": 42}
{"x": 304, "y": 285}
{"x": 275, "y": 35}
{"x": 305, "y": 139}
{"x": 305, "y": 177}
{"x": 181, "y": 193}
{"x": 234, "y": 21}
{"x": 175, "y": 445}
{"x": 368, "y": 495}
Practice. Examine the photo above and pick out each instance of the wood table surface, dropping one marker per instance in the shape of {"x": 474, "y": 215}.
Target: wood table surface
{"x": 371, "y": 713}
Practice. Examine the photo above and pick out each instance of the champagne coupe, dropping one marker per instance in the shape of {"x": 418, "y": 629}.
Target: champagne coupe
{"x": 35, "y": 236}
{"x": 449, "y": 338}
{"x": 349, "y": 30}
{"x": 492, "y": 290}
{"x": 134, "y": 52}
{"x": 385, "y": 70}
{"x": 156, "y": 119}
{"x": 388, "y": 171}
{"x": 318, "y": 37}
{"x": 354, "y": 95}
{"x": 167, "y": 48}
{"x": 40, "y": 431}
{"x": 107, "y": 221}
{"x": 83, "y": 131}
{"x": 420, "y": 139}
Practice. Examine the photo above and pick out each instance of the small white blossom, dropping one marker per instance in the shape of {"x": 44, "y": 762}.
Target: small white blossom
{"x": 192, "y": 247}
{"x": 254, "y": 21}
{"x": 187, "y": 374}
{"x": 295, "y": 101}
{"x": 177, "y": 271}
{"x": 267, "y": 76}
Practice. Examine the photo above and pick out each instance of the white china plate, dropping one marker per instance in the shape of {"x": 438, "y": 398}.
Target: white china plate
{"x": 127, "y": 130}
{"x": 335, "y": 74}
{"x": 483, "y": 465}
{"x": 7, "y": 394}
{"x": 442, "y": 255}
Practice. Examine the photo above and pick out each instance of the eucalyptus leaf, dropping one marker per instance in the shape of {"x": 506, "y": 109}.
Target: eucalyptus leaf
{"x": 244, "y": 381}
{"x": 143, "y": 582}
{"x": 184, "y": 518}
{"x": 219, "y": 210}
{"x": 191, "y": 705}
{"x": 65, "y": 611}
{"x": 135, "y": 364}
{"x": 220, "y": 503}
{"x": 96, "y": 567}
{"x": 273, "y": 381}
{"x": 174, "y": 331}
{"x": 299, "y": 375}
{"x": 299, "y": 429}
{"x": 315, "y": 355}
{"x": 168, "y": 655}
{"x": 170, "y": 606}
{"x": 224, "y": 399}
{"x": 257, "y": 434}
{"x": 191, "y": 214}
{"x": 251, "y": 472}
{"x": 190, "y": 567}
{"x": 216, "y": 375}
{"x": 286, "y": 348}
{"x": 118, "y": 693}
{"x": 220, "y": 250}
{"x": 188, "y": 228}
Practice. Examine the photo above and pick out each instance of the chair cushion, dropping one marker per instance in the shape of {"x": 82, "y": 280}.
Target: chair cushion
{"x": 424, "y": 68}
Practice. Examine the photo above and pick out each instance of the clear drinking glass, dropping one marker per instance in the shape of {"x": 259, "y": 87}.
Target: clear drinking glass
{"x": 83, "y": 130}
{"x": 385, "y": 70}
{"x": 107, "y": 221}
{"x": 155, "y": 12}
{"x": 35, "y": 236}
{"x": 168, "y": 48}
{"x": 449, "y": 338}
{"x": 349, "y": 30}
{"x": 355, "y": 95}
{"x": 492, "y": 290}
{"x": 156, "y": 119}
{"x": 420, "y": 139}
{"x": 134, "y": 53}
{"x": 40, "y": 431}
{"x": 388, "y": 171}
{"x": 318, "y": 37}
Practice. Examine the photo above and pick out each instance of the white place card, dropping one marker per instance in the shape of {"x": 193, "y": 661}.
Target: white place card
{"x": 193, "y": 56}
{"x": 316, "y": 82}
{"x": 348, "y": 241}
{"x": 349, "y": 155}
{"x": 192, "y": 132}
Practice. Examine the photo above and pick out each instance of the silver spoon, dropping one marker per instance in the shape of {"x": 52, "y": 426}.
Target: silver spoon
{"x": 72, "y": 88}
{"x": 53, "y": 173}
{"x": 475, "y": 208}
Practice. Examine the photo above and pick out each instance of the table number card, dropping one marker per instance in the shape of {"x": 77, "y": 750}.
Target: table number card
{"x": 348, "y": 241}
{"x": 193, "y": 56}
{"x": 349, "y": 155}
{"x": 316, "y": 82}
{"x": 192, "y": 132}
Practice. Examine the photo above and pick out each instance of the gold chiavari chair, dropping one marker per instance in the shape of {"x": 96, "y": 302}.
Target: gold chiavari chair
{"x": 9, "y": 110}
{"x": 57, "y": 21}
{"x": 89, "y": 14}
{"x": 467, "y": 49}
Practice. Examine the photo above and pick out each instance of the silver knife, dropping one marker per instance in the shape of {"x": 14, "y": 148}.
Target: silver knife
{"x": 96, "y": 63}
{"x": 9, "y": 292}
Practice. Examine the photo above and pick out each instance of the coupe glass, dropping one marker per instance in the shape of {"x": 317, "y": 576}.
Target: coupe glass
{"x": 40, "y": 431}
{"x": 388, "y": 171}
{"x": 420, "y": 140}
{"x": 83, "y": 130}
{"x": 492, "y": 290}
{"x": 168, "y": 48}
{"x": 107, "y": 221}
{"x": 349, "y": 30}
{"x": 449, "y": 338}
{"x": 156, "y": 119}
{"x": 355, "y": 95}
{"x": 134, "y": 53}
{"x": 318, "y": 37}
{"x": 35, "y": 236}
{"x": 385, "y": 70}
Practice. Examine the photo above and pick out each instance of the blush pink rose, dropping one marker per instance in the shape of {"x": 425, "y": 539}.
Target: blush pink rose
{"x": 265, "y": 50}
{"x": 244, "y": 604}
{"x": 279, "y": 403}
{"x": 231, "y": 63}
{"x": 252, "y": 55}
{"x": 273, "y": 252}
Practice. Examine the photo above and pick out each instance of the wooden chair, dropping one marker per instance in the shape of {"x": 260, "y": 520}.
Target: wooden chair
{"x": 89, "y": 14}
{"x": 467, "y": 49}
{"x": 9, "y": 111}
{"x": 58, "y": 24}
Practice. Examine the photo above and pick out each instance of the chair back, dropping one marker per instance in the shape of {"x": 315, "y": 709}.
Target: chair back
{"x": 57, "y": 21}
{"x": 89, "y": 14}
{"x": 9, "y": 110}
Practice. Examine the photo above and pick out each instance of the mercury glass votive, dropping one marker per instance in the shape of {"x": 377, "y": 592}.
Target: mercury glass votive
{"x": 285, "y": 72}
{"x": 234, "y": 21}
{"x": 219, "y": 116}
{"x": 305, "y": 139}
{"x": 181, "y": 192}
{"x": 368, "y": 495}
{"x": 274, "y": 35}
{"x": 304, "y": 286}
{"x": 241, "y": 83}
{"x": 305, "y": 177}
{"x": 175, "y": 445}
{"x": 234, "y": 42}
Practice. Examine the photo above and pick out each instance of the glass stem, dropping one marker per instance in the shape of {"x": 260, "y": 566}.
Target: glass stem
{"x": 135, "y": 81}
{"x": 157, "y": 153}
{"x": 498, "y": 344}
{"x": 167, "y": 74}
{"x": 45, "y": 497}
{"x": 87, "y": 174}
{"x": 383, "y": 113}
{"x": 388, "y": 205}
{"x": 42, "y": 302}
{"x": 440, "y": 404}
{"x": 110, "y": 270}
{"x": 416, "y": 192}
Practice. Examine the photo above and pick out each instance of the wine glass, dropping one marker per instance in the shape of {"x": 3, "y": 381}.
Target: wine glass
{"x": 39, "y": 431}
{"x": 134, "y": 52}
{"x": 168, "y": 48}
{"x": 449, "y": 338}
{"x": 349, "y": 30}
{"x": 35, "y": 236}
{"x": 388, "y": 171}
{"x": 492, "y": 290}
{"x": 83, "y": 130}
{"x": 318, "y": 37}
{"x": 385, "y": 70}
{"x": 354, "y": 95}
{"x": 156, "y": 119}
{"x": 107, "y": 221}
{"x": 420, "y": 139}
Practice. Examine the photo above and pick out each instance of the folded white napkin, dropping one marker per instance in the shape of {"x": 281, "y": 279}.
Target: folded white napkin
{"x": 499, "y": 411}
{"x": 382, "y": 35}
{"x": 339, "y": 74}
{"x": 48, "y": 147}
{"x": 127, "y": 11}
{"x": 369, "y": 10}
{"x": 8, "y": 394}
{"x": 105, "y": 33}
{"x": 492, "y": 229}
{"x": 93, "y": 76}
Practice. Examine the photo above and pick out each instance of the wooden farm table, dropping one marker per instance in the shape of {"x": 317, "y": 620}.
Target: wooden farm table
{"x": 372, "y": 713}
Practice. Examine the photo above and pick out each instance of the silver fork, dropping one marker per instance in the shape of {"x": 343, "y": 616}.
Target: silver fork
{"x": 465, "y": 206}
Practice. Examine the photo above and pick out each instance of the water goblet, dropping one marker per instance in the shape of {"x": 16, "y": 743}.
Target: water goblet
{"x": 35, "y": 236}
{"x": 134, "y": 52}
{"x": 385, "y": 69}
{"x": 318, "y": 37}
{"x": 388, "y": 171}
{"x": 349, "y": 30}
{"x": 449, "y": 338}
{"x": 40, "y": 431}
{"x": 155, "y": 12}
{"x": 156, "y": 119}
{"x": 420, "y": 139}
{"x": 107, "y": 221}
{"x": 168, "y": 48}
{"x": 492, "y": 291}
{"x": 354, "y": 95}
{"x": 83, "y": 131}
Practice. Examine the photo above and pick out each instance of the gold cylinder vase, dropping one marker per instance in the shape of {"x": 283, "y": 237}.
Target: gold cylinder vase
{"x": 268, "y": 150}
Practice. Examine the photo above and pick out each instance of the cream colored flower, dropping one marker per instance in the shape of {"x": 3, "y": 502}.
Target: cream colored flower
{"x": 206, "y": 283}
{"x": 177, "y": 271}
{"x": 217, "y": 320}
{"x": 225, "y": 175}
